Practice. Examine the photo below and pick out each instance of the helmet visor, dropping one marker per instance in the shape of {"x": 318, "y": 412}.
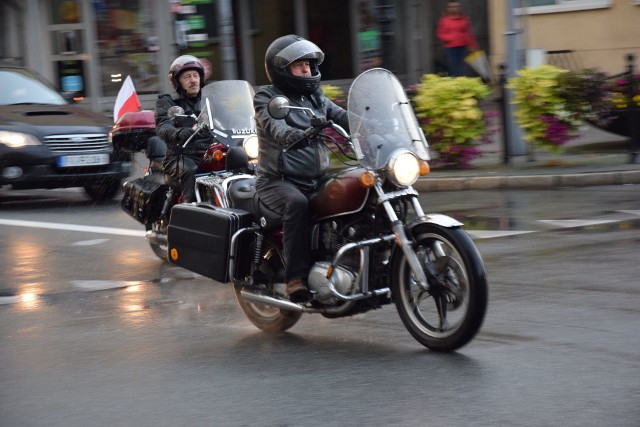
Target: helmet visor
{"x": 298, "y": 50}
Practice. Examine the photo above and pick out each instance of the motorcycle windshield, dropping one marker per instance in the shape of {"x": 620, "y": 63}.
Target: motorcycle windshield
{"x": 231, "y": 105}
{"x": 382, "y": 120}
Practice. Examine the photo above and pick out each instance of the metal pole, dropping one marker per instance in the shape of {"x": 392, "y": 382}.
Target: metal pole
{"x": 227, "y": 44}
{"x": 504, "y": 110}
{"x": 513, "y": 136}
{"x": 634, "y": 125}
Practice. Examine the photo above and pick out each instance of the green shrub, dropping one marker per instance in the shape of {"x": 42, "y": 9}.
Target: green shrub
{"x": 552, "y": 103}
{"x": 449, "y": 113}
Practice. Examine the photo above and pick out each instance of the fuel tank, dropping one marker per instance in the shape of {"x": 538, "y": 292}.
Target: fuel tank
{"x": 339, "y": 194}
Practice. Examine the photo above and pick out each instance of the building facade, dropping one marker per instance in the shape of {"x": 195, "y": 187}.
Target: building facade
{"x": 90, "y": 46}
{"x": 569, "y": 33}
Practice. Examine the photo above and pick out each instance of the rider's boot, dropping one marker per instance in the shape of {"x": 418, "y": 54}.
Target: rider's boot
{"x": 297, "y": 290}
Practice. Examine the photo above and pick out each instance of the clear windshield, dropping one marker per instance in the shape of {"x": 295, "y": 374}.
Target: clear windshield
{"x": 382, "y": 120}
{"x": 231, "y": 103}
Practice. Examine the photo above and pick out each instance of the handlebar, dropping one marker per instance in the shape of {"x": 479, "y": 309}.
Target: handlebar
{"x": 197, "y": 130}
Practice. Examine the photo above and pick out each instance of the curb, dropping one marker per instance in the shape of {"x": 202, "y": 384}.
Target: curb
{"x": 532, "y": 181}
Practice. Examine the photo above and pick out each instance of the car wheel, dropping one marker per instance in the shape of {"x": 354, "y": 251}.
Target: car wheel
{"x": 103, "y": 191}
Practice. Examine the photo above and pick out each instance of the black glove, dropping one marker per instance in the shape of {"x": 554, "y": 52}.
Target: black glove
{"x": 183, "y": 134}
{"x": 293, "y": 137}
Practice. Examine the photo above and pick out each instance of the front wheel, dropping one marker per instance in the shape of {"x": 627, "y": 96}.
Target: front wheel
{"x": 103, "y": 191}
{"x": 449, "y": 313}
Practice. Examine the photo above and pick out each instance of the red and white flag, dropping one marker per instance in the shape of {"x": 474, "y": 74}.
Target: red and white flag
{"x": 127, "y": 100}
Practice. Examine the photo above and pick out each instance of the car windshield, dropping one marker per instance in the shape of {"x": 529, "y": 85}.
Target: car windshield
{"x": 19, "y": 87}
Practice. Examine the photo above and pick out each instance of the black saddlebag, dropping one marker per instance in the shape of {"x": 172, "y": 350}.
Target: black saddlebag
{"x": 144, "y": 198}
{"x": 199, "y": 238}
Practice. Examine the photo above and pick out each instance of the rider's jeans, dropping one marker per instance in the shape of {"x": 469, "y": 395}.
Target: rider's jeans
{"x": 184, "y": 170}
{"x": 293, "y": 204}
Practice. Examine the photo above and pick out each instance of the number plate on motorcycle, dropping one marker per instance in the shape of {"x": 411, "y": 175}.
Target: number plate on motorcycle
{"x": 83, "y": 160}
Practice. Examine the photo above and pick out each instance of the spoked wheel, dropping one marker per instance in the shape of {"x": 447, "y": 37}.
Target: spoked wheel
{"x": 265, "y": 317}
{"x": 449, "y": 313}
{"x": 159, "y": 246}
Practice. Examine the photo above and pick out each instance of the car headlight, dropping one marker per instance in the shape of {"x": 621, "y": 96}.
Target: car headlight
{"x": 404, "y": 168}
{"x": 17, "y": 139}
{"x": 250, "y": 145}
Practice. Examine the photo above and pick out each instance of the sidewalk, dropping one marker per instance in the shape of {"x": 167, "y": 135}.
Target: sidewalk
{"x": 596, "y": 157}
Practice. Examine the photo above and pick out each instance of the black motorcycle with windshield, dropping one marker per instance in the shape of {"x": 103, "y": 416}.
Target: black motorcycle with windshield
{"x": 372, "y": 242}
{"x": 226, "y": 119}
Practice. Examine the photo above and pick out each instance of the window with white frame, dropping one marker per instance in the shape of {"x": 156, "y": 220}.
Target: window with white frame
{"x": 550, "y": 6}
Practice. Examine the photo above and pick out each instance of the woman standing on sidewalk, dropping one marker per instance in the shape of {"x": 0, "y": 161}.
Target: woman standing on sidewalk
{"x": 454, "y": 31}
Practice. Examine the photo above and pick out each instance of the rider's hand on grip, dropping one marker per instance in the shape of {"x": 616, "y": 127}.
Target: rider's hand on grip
{"x": 295, "y": 136}
{"x": 183, "y": 134}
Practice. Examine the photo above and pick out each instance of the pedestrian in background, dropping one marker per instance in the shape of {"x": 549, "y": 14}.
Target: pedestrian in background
{"x": 454, "y": 31}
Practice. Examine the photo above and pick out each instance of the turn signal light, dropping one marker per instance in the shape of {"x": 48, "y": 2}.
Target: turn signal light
{"x": 424, "y": 168}
{"x": 218, "y": 155}
{"x": 367, "y": 179}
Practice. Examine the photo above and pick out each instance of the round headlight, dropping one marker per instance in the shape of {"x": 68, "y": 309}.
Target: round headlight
{"x": 250, "y": 145}
{"x": 404, "y": 168}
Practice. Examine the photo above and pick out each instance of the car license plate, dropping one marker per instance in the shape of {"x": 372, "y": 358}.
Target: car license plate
{"x": 83, "y": 160}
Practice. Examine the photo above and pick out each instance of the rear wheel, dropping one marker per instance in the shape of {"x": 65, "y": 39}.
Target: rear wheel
{"x": 265, "y": 317}
{"x": 449, "y": 313}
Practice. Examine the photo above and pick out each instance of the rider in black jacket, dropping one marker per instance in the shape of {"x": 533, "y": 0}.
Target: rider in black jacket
{"x": 289, "y": 165}
{"x": 187, "y": 77}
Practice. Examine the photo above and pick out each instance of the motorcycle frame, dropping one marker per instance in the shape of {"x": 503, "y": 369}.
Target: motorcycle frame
{"x": 403, "y": 243}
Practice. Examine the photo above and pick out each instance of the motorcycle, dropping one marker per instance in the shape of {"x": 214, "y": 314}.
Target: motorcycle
{"x": 372, "y": 243}
{"x": 226, "y": 117}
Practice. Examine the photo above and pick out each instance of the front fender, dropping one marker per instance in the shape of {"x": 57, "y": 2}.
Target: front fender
{"x": 438, "y": 219}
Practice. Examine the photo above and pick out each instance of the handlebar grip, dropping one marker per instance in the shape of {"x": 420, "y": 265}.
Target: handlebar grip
{"x": 309, "y": 132}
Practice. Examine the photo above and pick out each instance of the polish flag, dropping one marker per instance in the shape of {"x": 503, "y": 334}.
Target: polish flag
{"x": 127, "y": 100}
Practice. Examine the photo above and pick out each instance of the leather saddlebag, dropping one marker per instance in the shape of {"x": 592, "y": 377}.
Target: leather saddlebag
{"x": 144, "y": 198}
{"x": 200, "y": 235}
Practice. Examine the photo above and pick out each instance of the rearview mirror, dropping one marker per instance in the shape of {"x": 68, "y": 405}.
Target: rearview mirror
{"x": 175, "y": 111}
{"x": 278, "y": 107}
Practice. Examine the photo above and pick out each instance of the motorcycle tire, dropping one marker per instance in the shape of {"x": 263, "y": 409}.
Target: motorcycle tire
{"x": 450, "y": 312}
{"x": 268, "y": 318}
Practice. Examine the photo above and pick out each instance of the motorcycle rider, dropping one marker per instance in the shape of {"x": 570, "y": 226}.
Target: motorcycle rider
{"x": 289, "y": 164}
{"x": 186, "y": 75}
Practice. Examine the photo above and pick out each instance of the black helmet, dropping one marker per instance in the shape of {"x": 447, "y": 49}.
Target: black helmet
{"x": 285, "y": 50}
{"x": 184, "y": 63}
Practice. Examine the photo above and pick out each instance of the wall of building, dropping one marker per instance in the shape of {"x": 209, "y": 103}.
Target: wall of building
{"x": 599, "y": 38}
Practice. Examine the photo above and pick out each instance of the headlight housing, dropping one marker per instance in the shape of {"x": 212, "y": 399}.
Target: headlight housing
{"x": 250, "y": 145}
{"x": 404, "y": 168}
{"x": 17, "y": 139}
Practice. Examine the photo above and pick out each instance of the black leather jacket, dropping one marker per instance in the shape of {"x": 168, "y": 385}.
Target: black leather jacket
{"x": 305, "y": 161}
{"x": 166, "y": 129}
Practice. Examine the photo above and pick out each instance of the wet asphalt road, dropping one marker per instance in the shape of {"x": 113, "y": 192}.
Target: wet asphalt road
{"x": 95, "y": 330}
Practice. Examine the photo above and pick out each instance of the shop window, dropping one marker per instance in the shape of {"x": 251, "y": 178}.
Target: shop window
{"x": 65, "y": 11}
{"x": 551, "y": 6}
{"x": 127, "y": 44}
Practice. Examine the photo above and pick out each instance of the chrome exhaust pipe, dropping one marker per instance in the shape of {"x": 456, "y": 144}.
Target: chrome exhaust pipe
{"x": 250, "y": 295}
{"x": 158, "y": 238}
